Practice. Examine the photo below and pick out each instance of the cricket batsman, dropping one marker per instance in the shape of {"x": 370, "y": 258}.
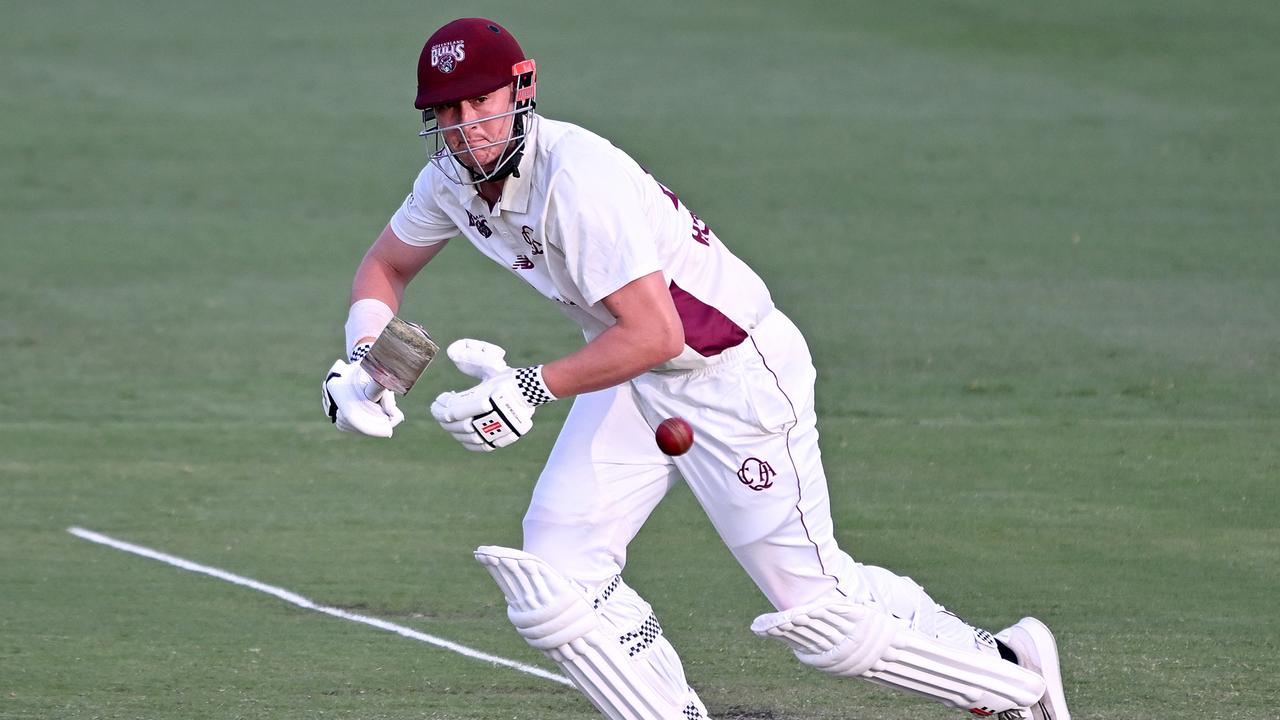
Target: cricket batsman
{"x": 675, "y": 326}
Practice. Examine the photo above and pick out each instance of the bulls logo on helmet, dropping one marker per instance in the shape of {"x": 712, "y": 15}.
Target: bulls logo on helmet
{"x": 446, "y": 56}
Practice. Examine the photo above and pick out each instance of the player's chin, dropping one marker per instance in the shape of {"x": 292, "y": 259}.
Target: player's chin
{"x": 485, "y": 168}
{"x": 486, "y": 158}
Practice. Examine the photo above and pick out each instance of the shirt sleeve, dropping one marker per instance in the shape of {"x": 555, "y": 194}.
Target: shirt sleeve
{"x": 419, "y": 220}
{"x": 596, "y": 212}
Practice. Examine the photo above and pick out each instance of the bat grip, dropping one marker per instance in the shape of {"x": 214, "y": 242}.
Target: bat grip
{"x": 373, "y": 391}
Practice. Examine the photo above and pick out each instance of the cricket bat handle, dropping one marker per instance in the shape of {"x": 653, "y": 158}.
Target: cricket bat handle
{"x": 373, "y": 391}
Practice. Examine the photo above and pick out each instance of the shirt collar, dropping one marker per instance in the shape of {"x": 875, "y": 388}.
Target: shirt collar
{"x": 515, "y": 192}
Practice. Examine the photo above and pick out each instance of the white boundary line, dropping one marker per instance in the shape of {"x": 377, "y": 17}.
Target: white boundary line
{"x": 295, "y": 599}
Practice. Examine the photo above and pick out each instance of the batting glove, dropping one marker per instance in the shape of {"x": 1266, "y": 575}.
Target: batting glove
{"x": 355, "y": 403}
{"x": 499, "y": 410}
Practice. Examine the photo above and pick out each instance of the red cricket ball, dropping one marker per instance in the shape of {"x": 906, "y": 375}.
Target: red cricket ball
{"x": 674, "y": 436}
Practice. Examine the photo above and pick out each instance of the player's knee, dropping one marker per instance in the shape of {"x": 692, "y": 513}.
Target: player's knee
{"x": 841, "y": 638}
{"x": 850, "y": 639}
{"x": 606, "y": 637}
{"x": 547, "y": 609}
{"x": 550, "y": 609}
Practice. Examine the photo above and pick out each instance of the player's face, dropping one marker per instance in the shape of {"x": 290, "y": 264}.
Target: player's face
{"x": 474, "y": 135}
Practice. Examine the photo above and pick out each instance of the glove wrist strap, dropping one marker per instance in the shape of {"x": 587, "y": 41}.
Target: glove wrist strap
{"x": 532, "y": 387}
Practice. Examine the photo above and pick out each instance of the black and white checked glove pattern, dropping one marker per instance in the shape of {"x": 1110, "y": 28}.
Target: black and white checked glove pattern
{"x": 358, "y": 352}
{"x": 532, "y": 387}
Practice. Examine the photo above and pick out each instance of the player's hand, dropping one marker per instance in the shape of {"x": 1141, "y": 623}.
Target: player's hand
{"x": 477, "y": 358}
{"x": 355, "y": 403}
{"x": 499, "y": 410}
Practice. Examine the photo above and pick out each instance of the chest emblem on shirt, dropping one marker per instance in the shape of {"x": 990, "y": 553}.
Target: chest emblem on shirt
{"x": 479, "y": 224}
{"x": 535, "y": 247}
{"x": 522, "y": 263}
{"x": 756, "y": 474}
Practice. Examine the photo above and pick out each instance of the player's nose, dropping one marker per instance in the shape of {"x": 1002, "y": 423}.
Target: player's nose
{"x": 469, "y": 115}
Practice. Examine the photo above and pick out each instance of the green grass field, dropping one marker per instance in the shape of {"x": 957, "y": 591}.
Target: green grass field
{"x": 1035, "y": 248}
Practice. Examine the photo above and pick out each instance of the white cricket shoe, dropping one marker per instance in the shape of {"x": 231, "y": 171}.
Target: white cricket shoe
{"x": 1032, "y": 642}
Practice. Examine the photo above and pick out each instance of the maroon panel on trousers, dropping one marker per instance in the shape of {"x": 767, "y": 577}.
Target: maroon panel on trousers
{"x": 706, "y": 329}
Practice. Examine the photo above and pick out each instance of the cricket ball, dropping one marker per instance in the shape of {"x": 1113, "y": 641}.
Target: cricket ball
{"x": 674, "y": 436}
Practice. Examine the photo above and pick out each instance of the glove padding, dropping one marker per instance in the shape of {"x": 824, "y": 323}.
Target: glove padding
{"x": 355, "y": 403}
{"x": 492, "y": 414}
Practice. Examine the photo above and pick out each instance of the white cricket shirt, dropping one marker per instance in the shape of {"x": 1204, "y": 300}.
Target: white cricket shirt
{"x": 582, "y": 220}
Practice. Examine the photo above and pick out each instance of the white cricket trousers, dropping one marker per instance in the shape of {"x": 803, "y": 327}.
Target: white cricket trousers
{"x": 754, "y": 467}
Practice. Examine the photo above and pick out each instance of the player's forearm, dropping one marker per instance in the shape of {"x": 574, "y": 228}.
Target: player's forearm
{"x": 377, "y": 280}
{"x": 388, "y": 267}
{"x": 615, "y": 356}
{"x": 379, "y": 284}
{"x": 648, "y": 332}
{"x": 375, "y": 296}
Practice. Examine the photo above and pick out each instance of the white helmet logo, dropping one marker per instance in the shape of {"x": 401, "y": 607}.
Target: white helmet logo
{"x": 447, "y": 55}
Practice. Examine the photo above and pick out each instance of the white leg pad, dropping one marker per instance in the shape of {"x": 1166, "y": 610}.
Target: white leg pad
{"x": 631, "y": 674}
{"x": 860, "y": 640}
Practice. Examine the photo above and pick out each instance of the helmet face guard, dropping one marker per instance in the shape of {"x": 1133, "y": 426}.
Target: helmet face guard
{"x": 453, "y": 162}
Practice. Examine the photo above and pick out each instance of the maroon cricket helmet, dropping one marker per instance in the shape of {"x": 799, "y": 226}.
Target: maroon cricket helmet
{"x": 467, "y": 58}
